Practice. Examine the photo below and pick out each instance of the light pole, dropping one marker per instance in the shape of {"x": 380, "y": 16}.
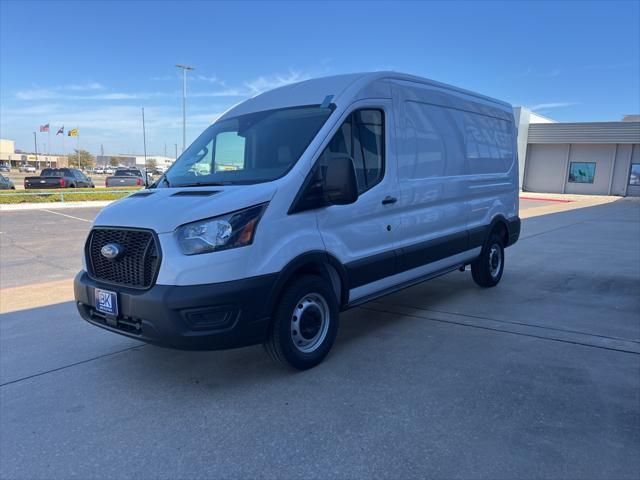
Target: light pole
{"x": 144, "y": 141}
{"x": 35, "y": 144}
{"x": 184, "y": 69}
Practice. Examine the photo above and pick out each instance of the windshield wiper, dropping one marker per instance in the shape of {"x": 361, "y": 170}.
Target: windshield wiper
{"x": 204, "y": 184}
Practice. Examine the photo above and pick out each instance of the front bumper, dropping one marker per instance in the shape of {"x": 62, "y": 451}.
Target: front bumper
{"x": 196, "y": 317}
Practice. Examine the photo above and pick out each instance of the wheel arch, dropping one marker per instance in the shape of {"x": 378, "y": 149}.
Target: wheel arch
{"x": 318, "y": 263}
{"x": 500, "y": 225}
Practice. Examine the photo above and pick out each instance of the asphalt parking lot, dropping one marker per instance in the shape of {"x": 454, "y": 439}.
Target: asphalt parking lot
{"x": 536, "y": 378}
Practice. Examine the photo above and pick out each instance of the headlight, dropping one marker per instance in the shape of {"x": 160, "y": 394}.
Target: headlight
{"x": 220, "y": 233}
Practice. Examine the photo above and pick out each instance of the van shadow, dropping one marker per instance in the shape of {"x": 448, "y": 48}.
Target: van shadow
{"x": 54, "y": 340}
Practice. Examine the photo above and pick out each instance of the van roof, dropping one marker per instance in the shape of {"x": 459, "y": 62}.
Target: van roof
{"x": 342, "y": 89}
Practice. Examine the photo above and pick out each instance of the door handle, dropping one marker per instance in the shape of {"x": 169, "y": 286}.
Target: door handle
{"x": 388, "y": 200}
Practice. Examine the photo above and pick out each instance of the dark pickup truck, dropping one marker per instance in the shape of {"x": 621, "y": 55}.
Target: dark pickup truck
{"x": 125, "y": 177}
{"x": 59, "y": 178}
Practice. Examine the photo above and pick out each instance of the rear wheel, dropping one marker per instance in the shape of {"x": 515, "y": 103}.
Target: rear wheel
{"x": 487, "y": 269}
{"x": 304, "y": 324}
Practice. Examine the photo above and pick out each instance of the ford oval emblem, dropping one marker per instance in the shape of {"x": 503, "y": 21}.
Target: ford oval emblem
{"x": 112, "y": 251}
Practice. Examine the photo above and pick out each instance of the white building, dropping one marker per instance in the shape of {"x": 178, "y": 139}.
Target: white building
{"x": 599, "y": 158}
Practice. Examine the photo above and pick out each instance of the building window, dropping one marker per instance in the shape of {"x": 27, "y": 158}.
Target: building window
{"x": 634, "y": 176}
{"x": 582, "y": 172}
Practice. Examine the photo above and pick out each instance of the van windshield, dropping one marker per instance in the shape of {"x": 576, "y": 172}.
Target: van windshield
{"x": 252, "y": 148}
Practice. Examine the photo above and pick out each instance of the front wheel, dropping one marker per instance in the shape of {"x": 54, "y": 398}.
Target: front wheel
{"x": 305, "y": 323}
{"x": 487, "y": 269}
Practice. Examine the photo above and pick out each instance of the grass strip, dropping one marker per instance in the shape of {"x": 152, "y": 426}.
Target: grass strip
{"x": 70, "y": 195}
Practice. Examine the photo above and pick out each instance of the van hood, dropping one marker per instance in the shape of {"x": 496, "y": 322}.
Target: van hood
{"x": 165, "y": 209}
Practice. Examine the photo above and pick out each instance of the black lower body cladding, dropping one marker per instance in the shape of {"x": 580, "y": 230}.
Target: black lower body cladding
{"x": 514, "y": 230}
{"x": 196, "y": 317}
{"x": 391, "y": 262}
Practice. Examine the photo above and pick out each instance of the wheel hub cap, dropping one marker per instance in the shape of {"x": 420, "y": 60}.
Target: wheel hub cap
{"x": 310, "y": 322}
{"x": 495, "y": 260}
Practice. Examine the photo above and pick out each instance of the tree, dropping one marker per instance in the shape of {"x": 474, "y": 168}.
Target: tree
{"x": 81, "y": 159}
{"x": 152, "y": 164}
{"x": 115, "y": 161}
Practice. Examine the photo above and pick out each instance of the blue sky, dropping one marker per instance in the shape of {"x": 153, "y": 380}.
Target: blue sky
{"x": 95, "y": 64}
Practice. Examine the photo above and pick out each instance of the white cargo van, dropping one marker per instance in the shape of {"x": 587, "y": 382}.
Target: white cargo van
{"x": 302, "y": 202}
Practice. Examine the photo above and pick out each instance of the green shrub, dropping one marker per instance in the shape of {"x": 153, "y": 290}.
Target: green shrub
{"x": 70, "y": 195}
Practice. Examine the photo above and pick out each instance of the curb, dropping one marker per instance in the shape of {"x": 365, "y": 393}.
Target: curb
{"x": 54, "y": 205}
{"x": 542, "y": 199}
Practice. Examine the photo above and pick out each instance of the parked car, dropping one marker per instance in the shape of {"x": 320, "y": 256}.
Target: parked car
{"x": 348, "y": 188}
{"x": 5, "y": 167}
{"x": 6, "y": 184}
{"x": 125, "y": 177}
{"x": 26, "y": 168}
{"x": 59, "y": 178}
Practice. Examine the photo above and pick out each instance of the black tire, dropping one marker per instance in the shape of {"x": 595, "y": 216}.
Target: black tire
{"x": 308, "y": 295}
{"x": 487, "y": 269}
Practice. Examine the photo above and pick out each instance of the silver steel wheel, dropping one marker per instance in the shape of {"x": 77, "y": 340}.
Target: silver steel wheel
{"x": 310, "y": 322}
{"x": 495, "y": 260}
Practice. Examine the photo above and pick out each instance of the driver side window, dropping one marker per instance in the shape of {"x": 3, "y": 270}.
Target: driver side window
{"x": 360, "y": 137}
{"x": 230, "y": 152}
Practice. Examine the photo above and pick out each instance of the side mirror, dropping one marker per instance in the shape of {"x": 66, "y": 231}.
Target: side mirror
{"x": 340, "y": 184}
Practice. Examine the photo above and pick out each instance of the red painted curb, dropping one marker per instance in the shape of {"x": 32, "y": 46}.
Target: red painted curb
{"x": 547, "y": 199}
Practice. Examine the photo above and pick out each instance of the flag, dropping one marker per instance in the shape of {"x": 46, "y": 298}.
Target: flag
{"x": 73, "y": 132}
{"x": 44, "y": 128}
{"x": 60, "y": 131}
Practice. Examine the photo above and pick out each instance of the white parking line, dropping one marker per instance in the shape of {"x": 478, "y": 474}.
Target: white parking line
{"x": 65, "y": 215}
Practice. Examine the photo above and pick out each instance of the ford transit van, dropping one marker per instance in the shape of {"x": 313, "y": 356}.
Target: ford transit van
{"x": 300, "y": 203}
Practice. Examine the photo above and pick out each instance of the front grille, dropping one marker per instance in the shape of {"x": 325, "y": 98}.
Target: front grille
{"x": 136, "y": 267}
